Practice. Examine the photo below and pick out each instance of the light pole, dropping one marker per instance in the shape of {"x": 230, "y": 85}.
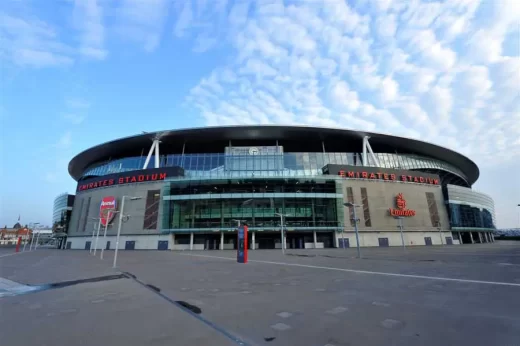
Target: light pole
{"x": 105, "y": 234}
{"x": 440, "y": 232}
{"x": 119, "y": 226}
{"x": 400, "y": 222}
{"x": 518, "y": 215}
{"x": 342, "y": 235}
{"x": 94, "y": 232}
{"x": 37, "y": 239}
{"x": 106, "y": 211}
{"x": 281, "y": 230}
{"x": 34, "y": 224}
{"x": 354, "y": 206}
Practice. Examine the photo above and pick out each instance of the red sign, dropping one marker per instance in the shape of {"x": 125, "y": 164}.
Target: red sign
{"x": 132, "y": 177}
{"x": 401, "y": 210}
{"x": 389, "y": 176}
{"x": 107, "y": 203}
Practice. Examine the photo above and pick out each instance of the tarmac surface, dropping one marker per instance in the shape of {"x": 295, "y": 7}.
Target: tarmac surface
{"x": 468, "y": 295}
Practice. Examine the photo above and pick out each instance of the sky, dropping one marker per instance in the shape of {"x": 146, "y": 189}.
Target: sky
{"x": 74, "y": 74}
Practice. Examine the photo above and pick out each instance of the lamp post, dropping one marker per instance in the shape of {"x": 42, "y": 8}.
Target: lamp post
{"x": 119, "y": 226}
{"x": 342, "y": 235}
{"x": 105, "y": 233}
{"x": 354, "y": 206}
{"x": 518, "y": 215}
{"x": 34, "y": 224}
{"x": 281, "y": 230}
{"x": 400, "y": 225}
{"x": 37, "y": 239}
{"x": 106, "y": 211}
{"x": 94, "y": 232}
{"x": 440, "y": 232}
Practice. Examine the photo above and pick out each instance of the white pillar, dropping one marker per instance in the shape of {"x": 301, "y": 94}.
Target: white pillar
{"x": 480, "y": 237}
{"x": 221, "y": 240}
{"x": 460, "y": 237}
{"x": 492, "y": 238}
{"x": 191, "y": 241}
{"x": 315, "y": 239}
{"x": 172, "y": 239}
{"x": 471, "y": 236}
{"x": 157, "y": 154}
{"x": 253, "y": 241}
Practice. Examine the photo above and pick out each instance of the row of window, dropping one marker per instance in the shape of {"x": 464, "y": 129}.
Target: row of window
{"x": 225, "y": 213}
{"x": 462, "y": 215}
{"x": 193, "y": 187}
{"x": 306, "y": 164}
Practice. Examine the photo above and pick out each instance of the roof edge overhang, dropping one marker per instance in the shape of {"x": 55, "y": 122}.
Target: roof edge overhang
{"x": 251, "y": 132}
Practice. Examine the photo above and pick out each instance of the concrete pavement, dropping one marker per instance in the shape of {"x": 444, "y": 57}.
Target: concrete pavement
{"x": 426, "y": 296}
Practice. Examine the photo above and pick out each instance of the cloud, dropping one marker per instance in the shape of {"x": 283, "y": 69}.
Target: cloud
{"x": 142, "y": 22}
{"x": 31, "y": 42}
{"x": 87, "y": 16}
{"x": 74, "y": 118}
{"x": 77, "y": 103}
{"x": 64, "y": 141}
{"x": 430, "y": 70}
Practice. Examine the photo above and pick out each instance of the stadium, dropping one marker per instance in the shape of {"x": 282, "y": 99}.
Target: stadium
{"x": 188, "y": 189}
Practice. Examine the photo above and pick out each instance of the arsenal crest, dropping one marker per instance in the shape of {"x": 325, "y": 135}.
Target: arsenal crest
{"x": 107, "y": 203}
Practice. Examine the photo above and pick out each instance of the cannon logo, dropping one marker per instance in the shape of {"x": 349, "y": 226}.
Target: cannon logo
{"x": 400, "y": 201}
{"x": 401, "y": 210}
{"x": 106, "y": 209}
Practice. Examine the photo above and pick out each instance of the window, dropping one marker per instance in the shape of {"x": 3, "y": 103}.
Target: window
{"x": 432, "y": 207}
{"x": 80, "y": 214}
{"x": 366, "y": 210}
{"x": 151, "y": 212}
{"x": 87, "y": 209}
{"x": 350, "y": 198}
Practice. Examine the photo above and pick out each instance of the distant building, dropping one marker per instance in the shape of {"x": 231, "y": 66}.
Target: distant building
{"x": 61, "y": 213}
{"x": 9, "y": 236}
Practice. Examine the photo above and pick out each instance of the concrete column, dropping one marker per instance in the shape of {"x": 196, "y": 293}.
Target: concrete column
{"x": 471, "y": 236}
{"x": 221, "y": 240}
{"x": 480, "y": 237}
{"x": 486, "y": 237}
{"x": 460, "y": 237}
{"x": 252, "y": 240}
{"x": 315, "y": 238}
{"x": 172, "y": 239}
{"x": 191, "y": 241}
{"x": 492, "y": 238}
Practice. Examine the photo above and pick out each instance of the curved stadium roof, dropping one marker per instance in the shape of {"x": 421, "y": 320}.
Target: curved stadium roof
{"x": 292, "y": 138}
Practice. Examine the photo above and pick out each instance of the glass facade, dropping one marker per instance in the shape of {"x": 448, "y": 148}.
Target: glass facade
{"x": 217, "y": 204}
{"x": 61, "y": 211}
{"x": 470, "y": 210}
{"x": 271, "y": 163}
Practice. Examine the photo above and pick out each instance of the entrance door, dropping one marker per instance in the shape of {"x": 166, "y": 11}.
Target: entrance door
{"x": 428, "y": 241}
{"x": 130, "y": 245}
{"x": 108, "y": 245}
{"x": 449, "y": 240}
{"x": 344, "y": 243}
{"x": 383, "y": 242}
{"x": 162, "y": 245}
{"x": 87, "y": 245}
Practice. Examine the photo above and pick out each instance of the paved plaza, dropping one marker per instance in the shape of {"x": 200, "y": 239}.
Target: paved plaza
{"x": 466, "y": 295}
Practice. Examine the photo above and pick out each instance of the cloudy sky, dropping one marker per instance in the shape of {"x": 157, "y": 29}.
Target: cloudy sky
{"x": 77, "y": 73}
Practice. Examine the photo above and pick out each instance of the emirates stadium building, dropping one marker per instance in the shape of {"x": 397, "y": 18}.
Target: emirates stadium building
{"x": 189, "y": 189}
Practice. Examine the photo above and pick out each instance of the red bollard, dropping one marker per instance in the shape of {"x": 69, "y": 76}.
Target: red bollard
{"x": 18, "y": 244}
